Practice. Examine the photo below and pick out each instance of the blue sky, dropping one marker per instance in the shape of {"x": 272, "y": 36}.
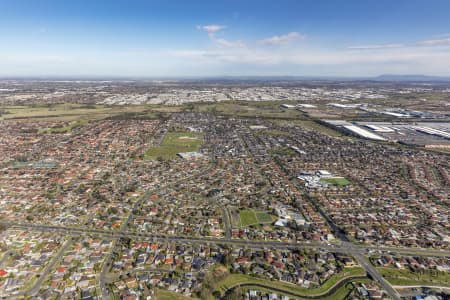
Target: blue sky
{"x": 212, "y": 38}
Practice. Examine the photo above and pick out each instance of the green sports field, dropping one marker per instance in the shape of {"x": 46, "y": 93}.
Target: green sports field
{"x": 175, "y": 142}
{"x": 250, "y": 217}
{"x": 339, "y": 181}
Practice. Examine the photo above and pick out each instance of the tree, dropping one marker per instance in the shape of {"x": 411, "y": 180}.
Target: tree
{"x": 234, "y": 294}
{"x": 227, "y": 259}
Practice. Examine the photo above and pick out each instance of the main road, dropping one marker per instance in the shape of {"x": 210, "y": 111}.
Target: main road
{"x": 343, "y": 247}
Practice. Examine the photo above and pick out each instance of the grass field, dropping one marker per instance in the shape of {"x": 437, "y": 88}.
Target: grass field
{"x": 340, "y": 294}
{"x": 264, "y": 217}
{"x": 273, "y": 133}
{"x": 283, "y": 151}
{"x": 250, "y": 217}
{"x": 441, "y": 150}
{"x": 407, "y": 277}
{"x": 175, "y": 142}
{"x": 61, "y": 110}
{"x": 339, "y": 181}
{"x": 161, "y": 294}
{"x": 262, "y": 109}
{"x": 74, "y": 112}
{"x": 64, "y": 129}
{"x": 234, "y": 279}
{"x": 318, "y": 127}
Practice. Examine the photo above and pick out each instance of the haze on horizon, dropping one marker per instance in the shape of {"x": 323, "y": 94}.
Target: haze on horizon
{"x": 177, "y": 38}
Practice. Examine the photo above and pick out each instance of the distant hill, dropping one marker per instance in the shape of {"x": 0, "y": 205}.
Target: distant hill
{"x": 417, "y": 78}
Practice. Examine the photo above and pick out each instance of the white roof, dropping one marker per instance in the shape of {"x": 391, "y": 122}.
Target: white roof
{"x": 379, "y": 128}
{"x": 364, "y": 133}
{"x": 432, "y": 131}
{"x": 324, "y": 172}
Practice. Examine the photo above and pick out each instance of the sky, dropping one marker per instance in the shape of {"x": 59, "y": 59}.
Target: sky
{"x": 183, "y": 38}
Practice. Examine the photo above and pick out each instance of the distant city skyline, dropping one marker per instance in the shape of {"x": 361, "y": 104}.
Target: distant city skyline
{"x": 227, "y": 38}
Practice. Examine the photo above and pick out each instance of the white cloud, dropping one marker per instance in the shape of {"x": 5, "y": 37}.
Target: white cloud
{"x": 282, "y": 39}
{"x": 376, "y": 47}
{"x": 350, "y": 62}
{"x": 445, "y": 40}
{"x": 362, "y": 59}
{"x": 435, "y": 42}
{"x": 229, "y": 55}
{"x": 211, "y": 29}
{"x": 227, "y": 44}
{"x": 220, "y": 42}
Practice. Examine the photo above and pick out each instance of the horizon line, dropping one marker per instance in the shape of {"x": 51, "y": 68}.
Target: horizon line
{"x": 207, "y": 77}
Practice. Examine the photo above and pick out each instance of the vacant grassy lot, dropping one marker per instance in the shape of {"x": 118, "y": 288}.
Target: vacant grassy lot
{"x": 407, "y": 277}
{"x": 339, "y": 181}
{"x": 175, "y": 142}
